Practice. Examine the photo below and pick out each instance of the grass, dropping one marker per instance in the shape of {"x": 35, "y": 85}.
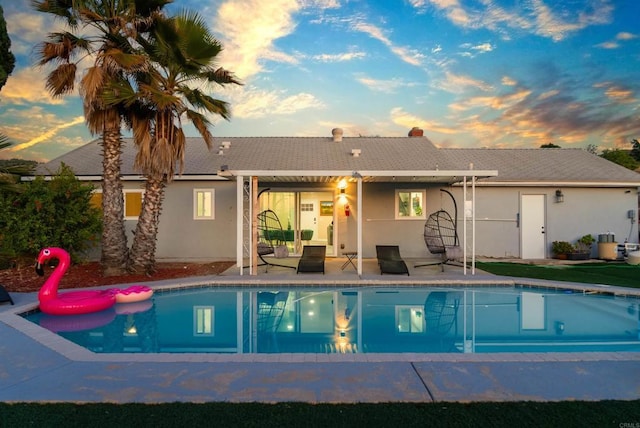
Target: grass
{"x": 519, "y": 414}
{"x": 619, "y": 274}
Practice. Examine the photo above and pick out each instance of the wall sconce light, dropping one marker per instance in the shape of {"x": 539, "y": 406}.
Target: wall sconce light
{"x": 559, "y": 196}
{"x": 559, "y": 327}
{"x": 342, "y": 187}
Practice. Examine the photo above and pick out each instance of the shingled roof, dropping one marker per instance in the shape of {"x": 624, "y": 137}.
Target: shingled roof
{"x": 375, "y": 154}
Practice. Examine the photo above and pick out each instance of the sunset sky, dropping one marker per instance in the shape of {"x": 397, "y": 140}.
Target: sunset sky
{"x": 471, "y": 73}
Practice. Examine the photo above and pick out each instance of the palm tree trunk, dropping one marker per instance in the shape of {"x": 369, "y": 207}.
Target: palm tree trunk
{"x": 114, "y": 239}
{"x": 142, "y": 258}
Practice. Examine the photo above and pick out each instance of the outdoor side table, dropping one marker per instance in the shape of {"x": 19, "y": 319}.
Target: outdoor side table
{"x": 350, "y": 256}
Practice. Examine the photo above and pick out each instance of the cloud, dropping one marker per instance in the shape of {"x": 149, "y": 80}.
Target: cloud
{"x": 46, "y": 136}
{"x": 494, "y": 102}
{"x": 566, "y": 115}
{"x": 249, "y": 29}
{"x": 255, "y": 103}
{"x": 608, "y": 45}
{"x": 457, "y": 83}
{"x": 341, "y": 57}
{"x": 405, "y": 54}
{"x": 388, "y": 86}
{"x": 617, "y": 92}
{"x": 534, "y": 16}
{"x": 623, "y": 36}
{"x": 28, "y": 86}
{"x": 626, "y": 36}
{"x": 408, "y": 121}
{"x": 508, "y": 81}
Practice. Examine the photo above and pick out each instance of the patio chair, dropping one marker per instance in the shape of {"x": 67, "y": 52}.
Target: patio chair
{"x": 271, "y": 307}
{"x": 390, "y": 261}
{"x": 441, "y": 238}
{"x": 312, "y": 259}
{"x": 271, "y": 239}
{"x": 4, "y": 295}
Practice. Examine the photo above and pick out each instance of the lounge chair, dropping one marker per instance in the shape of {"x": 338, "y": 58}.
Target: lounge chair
{"x": 441, "y": 237}
{"x": 4, "y": 295}
{"x": 312, "y": 259}
{"x": 271, "y": 239}
{"x": 390, "y": 261}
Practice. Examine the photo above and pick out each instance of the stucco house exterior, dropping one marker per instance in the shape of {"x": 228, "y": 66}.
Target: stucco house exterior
{"x": 356, "y": 192}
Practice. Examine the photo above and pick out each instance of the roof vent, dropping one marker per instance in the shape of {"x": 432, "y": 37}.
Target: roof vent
{"x": 226, "y": 144}
{"x": 356, "y": 152}
{"x": 416, "y": 132}
{"x": 337, "y": 135}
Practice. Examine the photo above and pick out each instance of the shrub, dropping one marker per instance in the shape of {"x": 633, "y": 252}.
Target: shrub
{"x": 56, "y": 213}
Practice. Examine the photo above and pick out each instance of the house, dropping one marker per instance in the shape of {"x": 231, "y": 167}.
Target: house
{"x": 352, "y": 193}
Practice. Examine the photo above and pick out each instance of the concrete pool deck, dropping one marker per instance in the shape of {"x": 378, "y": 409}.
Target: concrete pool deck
{"x": 38, "y": 366}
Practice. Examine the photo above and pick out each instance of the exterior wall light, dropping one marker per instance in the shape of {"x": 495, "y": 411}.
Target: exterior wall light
{"x": 559, "y": 196}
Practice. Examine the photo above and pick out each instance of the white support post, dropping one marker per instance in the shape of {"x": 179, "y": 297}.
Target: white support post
{"x": 473, "y": 225}
{"x": 359, "y": 224}
{"x": 464, "y": 225}
{"x": 253, "y": 223}
{"x": 240, "y": 224}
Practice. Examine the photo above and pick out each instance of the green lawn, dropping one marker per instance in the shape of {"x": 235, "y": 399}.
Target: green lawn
{"x": 620, "y": 274}
{"x": 566, "y": 414}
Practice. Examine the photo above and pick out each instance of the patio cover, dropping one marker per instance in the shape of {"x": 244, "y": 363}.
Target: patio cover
{"x": 247, "y": 186}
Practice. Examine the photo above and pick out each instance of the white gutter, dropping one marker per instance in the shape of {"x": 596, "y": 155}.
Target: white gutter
{"x": 494, "y": 183}
{"x": 363, "y": 173}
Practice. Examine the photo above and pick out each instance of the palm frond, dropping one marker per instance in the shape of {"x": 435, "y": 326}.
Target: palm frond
{"x": 61, "y": 47}
{"x": 221, "y": 77}
{"x": 201, "y": 123}
{"x": 61, "y": 80}
{"x": 59, "y": 8}
{"x": 92, "y": 82}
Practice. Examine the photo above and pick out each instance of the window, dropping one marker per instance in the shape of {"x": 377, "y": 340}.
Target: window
{"x": 410, "y": 204}
{"x": 410, "y": 319}
{"x": 203, "y": 204}
{"x": 204, "y": 320}
{"x": 132, "y": 203}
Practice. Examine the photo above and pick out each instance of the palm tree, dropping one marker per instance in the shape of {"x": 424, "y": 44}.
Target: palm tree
{"x": 115, "y": 24}
{"x": 182, "y": 50}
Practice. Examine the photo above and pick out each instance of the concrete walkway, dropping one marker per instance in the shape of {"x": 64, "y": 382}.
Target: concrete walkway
{"x": 37, "y": 365}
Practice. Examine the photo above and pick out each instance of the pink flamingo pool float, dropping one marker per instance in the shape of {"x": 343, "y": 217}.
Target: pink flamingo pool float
{"x": 79, "y": 302}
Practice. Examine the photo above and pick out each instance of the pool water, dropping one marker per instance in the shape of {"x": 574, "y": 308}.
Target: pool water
{"x": 486, "y": 319}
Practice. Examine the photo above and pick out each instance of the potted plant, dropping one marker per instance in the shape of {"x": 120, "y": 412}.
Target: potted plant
{"x": 582, "y": 248}
{"x": 561, "y": 249}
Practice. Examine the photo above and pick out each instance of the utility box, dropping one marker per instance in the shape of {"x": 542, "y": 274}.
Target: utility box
{"x": 608, "y": 250}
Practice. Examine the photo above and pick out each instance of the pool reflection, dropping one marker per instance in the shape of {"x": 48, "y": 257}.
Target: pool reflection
{"x": 361, "y": 320}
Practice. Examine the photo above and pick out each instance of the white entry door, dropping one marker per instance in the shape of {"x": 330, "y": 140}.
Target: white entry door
{"x": 532, "y": 227}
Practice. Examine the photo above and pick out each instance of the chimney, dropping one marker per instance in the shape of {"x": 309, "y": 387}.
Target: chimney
{"x": 337, "y": 135}
{"x": 416, "y": 132}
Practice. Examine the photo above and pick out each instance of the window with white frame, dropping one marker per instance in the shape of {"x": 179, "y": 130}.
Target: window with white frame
{"x": 203, "y": 204}
{"x": 204, "y": 321}
{"x": 132, "y": 202}
{"x": 410, "y": 204}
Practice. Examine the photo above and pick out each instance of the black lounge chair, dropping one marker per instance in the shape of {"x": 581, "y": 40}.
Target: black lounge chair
{"x": 4, "y": 295}
{"x": 389, "y": 260}
{"x": 312, "y": 259}
{"x": 441, "y": 237}
{"x": 271, "y": 239}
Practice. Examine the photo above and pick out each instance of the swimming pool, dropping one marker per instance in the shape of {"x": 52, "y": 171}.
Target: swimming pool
{"x": 378, "y": 319}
